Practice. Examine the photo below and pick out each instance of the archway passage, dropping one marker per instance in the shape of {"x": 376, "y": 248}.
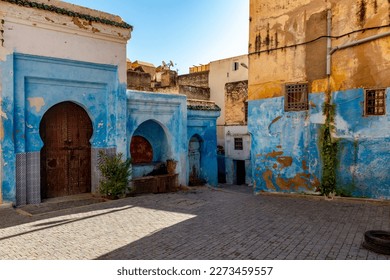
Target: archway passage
{"x": 66, "y": 155}
{"x": 194, "y": 159}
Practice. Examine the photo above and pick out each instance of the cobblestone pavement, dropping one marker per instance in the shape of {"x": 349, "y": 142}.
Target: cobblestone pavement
{"x": 198, "y": 224}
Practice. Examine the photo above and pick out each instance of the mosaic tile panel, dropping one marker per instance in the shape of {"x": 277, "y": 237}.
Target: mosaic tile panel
{"x": 33, "y": 178}
{"x": 21, "y": 184}
{"x": 95, "y": 173}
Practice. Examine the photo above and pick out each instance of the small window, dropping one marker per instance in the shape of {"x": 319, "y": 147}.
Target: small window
{"x": 374, "y": 102}
{"x": 238, "y": 144}
{"x": 236, "y": 65}
{"x": 296, "y": 97}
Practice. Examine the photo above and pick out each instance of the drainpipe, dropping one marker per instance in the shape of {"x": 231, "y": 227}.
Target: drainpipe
{"x": 328, "y": 53}
{"x": 331, "y": 51}
{"x": 329, "y": 42}
{"x": 361, "y": 41}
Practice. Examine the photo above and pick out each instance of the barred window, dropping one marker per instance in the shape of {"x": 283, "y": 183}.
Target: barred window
{"x": 374, "y": 102}
{"x": 296, "y": 97}
{"x": 246, "y": 111}
{"x": 238, "y": 144}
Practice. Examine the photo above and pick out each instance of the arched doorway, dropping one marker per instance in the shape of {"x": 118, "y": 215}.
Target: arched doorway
{"x": 65, "y": 130}
{"x": 149, "y": 149}
{"x": 194, "y": 159}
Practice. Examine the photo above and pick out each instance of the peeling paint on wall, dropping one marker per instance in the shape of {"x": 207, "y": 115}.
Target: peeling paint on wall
{"x": 301, "y": 28}
{"x": 364, "y": 147}
{"x": 287, "y": 159}
{"x": 297, "y": 60}
{"x": 267, "y": 176}
{"x": 236, "y": 95}
{"x": 36, "y": 102}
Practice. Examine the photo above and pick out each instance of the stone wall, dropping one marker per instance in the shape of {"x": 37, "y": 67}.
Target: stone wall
{"x": 138, "y": 80}
{"x": 197, "y": 79}
{"x": 236, "y": 95}
{"x": 195, "y": 85}
{"x": 192, "y": 92}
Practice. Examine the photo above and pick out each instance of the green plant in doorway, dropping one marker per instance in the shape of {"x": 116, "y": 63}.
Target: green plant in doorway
{"x": 116, "y": 174}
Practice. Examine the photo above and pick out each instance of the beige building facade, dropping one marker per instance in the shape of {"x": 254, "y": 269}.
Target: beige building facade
{"x": 289, "y": 41}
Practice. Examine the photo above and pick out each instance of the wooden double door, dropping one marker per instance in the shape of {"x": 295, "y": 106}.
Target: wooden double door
{"x": 66, "y": 155}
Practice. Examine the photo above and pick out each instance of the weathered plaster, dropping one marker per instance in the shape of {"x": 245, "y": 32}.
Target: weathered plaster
{"x": 285, "y": 157}
{"x": 95, "y": 87}
{"x": 363, "y": 147}
{"x": 36, "y": 102}
{"x": 285, "y": 151}
{"x": 159, "y": 117}
{"x": 221, "y": 72}
{"x": 202, "y": 123}
{"x": 55, "y": 35}
{"x": 280, "y": 35}
{"x": 279, "y": 31}
{"x": 7, "y": 141}
{"x": 232, "y": 155}
{"x": 236, "y": 95}
{"x": 57, "y": 62}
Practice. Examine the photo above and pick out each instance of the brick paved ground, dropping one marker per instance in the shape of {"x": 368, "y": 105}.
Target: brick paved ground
{"x": 197, "y": 224}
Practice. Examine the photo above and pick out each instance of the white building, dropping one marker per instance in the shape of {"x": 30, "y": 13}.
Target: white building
{"x": 62, "y": 92}
{"x": 228, "y": 81}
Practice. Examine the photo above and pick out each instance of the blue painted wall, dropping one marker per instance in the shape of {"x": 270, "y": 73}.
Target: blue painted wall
{"x": 284, "y": 152}
{"x": 285, "y": 146}
{"x": 165, "y": 121}
{"x": 155, "y": 134}
{"x": 7, "y": 142}
{"x": 37, "y": 84}
{"x": 203, "y": 124}
{"x": 364, "y": 147}
{"x": 33, "y": 84}
{"x": 161, "y": 119}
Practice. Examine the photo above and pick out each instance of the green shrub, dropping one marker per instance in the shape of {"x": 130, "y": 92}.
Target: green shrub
{"x": 329, "y": 150}
{"x": 116, "y": 174}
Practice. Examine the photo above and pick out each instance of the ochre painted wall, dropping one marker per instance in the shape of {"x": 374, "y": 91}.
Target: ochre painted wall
{"x": 278, "y": 53}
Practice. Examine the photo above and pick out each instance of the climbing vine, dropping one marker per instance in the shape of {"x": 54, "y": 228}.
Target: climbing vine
{"x": 329, "y": 148}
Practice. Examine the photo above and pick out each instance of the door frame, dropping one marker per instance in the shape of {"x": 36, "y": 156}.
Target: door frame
{"x": 189, "y": 170}
{"x": 43, "y": 167}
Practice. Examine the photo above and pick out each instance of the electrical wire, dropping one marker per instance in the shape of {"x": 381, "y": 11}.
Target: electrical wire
{"x": 319, "y": 38}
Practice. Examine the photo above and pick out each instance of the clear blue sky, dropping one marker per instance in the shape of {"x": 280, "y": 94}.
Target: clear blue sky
{"x": 188, "y": 32}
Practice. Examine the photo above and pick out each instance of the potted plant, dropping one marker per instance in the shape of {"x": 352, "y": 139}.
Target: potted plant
{"x": 171, "y": 166}
{"x": 116, "y": 174}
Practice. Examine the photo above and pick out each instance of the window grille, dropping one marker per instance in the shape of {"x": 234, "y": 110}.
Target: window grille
{"x": 296, "y": 97}
{"x": 246, "y": 111}
{"x": 375, "y": 102}
{"x": 238, "y": 144}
